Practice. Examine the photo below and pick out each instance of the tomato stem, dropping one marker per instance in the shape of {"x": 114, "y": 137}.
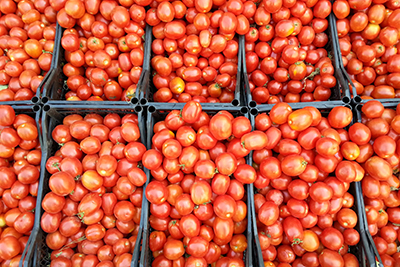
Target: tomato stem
{"x": 70, "y": 243}
{"x": 56, "y": 165}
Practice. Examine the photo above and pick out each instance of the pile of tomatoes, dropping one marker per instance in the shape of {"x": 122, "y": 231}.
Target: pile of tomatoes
{"x": 20, "y": 157}
{"x": 197, "y": 190}
{"x": 380, "y": 186}
{"x": 305, "y": 164}
{"x": 195, "y": 48}
{"x": 92, "y": 212}
{"x": 27, "y": 33}
{"x": 285, "y": 56}
{"x": 368, "y": 33}
{"x": 103, "y": 48}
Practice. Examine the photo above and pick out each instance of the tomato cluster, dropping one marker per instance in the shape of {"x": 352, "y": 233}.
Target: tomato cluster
{"x": 197, "y": 191}
{"x": 103, "y": 48}
{"x": 305, "y": 164}
{"x": 285, "y": 56}
{"x": 20, "y": 157}
{"x": 27, "y": 33}
{"x": 198, "y": 37}
{"x": 92, "y": 213}
{"x": 380, "y": 157}
{"x": 368, "y": 33}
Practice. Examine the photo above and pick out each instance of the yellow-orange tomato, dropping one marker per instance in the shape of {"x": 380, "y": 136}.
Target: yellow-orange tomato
{"x": 310, "y": 241}
{"x": 177, "y": 85}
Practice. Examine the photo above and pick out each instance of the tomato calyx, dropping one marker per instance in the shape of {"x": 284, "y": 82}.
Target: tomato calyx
{"x": 266, "y": 234}
{"x": 2, "y": 87}
{"x": 242, "y": 143}
{"x": 46, "y": 52}
{"x": 297, "y": 241}
{"x": 80, "y": 215}
{"x": 130, "y": 94}
{"x": 396, "y": 224}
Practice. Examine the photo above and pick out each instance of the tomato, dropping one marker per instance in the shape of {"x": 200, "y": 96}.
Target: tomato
{"x": 293, "y": 230}
{"x": 200, "y": 192}
{"x": 225, "y": 207}
{"x": 190, "y": 225}
{"x": 293, "y": 165}
{"x": 320, "y": 192}
{"x": 347, "y": 218}
{"x": 173, "y": 249}
{"x": 89, "y": 204}
{"x": 310, "y": 241}
{"x": 62, "y": 183}
{"x": 268, "y": 213}
{"x": 375, "y": 163}
{"x": 223, "y": 228}
{"x": 280, "y": 112}
{"x": 300, "y": 120}
{"x": 332, "y": 238}
{"x": 328, "y": 257}
{"x": 53, "y": 203}
{"x": 340, "y": 117}
{"x": 10, "y": 247}
{"x": 8, "y": 116}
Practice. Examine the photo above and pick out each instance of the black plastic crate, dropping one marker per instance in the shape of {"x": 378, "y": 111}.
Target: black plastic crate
{"x": 350, "y": 87}
{"x": 54, "y": 91}
{"x": 33, "y": 111}
{"x": 147, "y": 88}
{"x": 157, "y": 112}
{"x": 358, "y": 113}
{"x": 37, "y": 98}
{"x": 340, "y": 93}
{"x": 365, "y": 251}
{"x": 38, "y": 253}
